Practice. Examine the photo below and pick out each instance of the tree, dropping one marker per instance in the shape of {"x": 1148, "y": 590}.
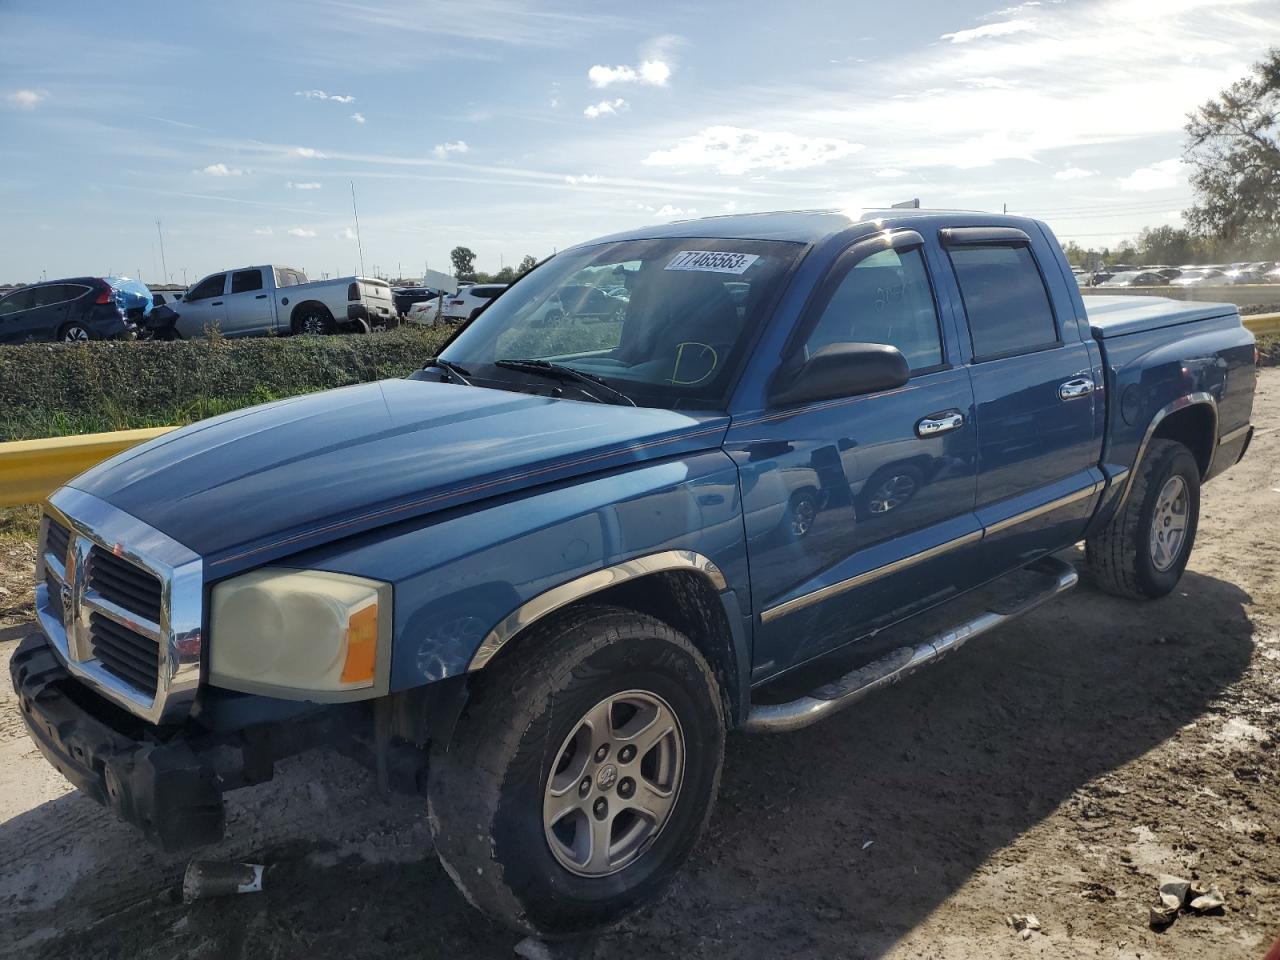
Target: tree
{"x": 1171, "y": 245}
{"x": 505, "y": 275}
{"x": 464, "y": 263}
{"x": 527, "y": 264}
{"x": 1076, "y": 254}
{"x": 1234, "y": 147}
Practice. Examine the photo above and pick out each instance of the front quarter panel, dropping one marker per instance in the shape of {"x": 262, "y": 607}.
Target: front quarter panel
{"x": 458, "y": 575}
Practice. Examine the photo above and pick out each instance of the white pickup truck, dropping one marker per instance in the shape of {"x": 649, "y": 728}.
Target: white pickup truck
{"x": 257, "y": 301}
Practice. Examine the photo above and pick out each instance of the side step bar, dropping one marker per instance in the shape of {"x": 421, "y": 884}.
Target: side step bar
{"x": 904, "y": 661}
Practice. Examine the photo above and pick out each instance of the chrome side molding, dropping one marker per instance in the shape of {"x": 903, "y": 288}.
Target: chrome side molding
{"x": 902, "y": 662}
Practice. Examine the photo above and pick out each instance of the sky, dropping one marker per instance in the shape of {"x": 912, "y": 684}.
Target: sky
{"x": 521, "y": 128}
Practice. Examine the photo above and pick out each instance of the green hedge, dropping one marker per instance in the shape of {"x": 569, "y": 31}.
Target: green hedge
{"x": 60, "y": 389}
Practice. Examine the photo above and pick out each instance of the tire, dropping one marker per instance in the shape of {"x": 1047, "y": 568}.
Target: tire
{"x": 315, "y": 321}
{"x": 1128, "y": 557}
{"x": 74, "y": 333}
{"x": 524, "y": 736}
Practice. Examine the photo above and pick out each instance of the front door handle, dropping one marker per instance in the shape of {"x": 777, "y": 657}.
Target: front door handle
{"x": 216, "y": 303}
{"x": 1075, "y": 389}
{"x": 939, "y": 423}
{"x": 261, "y": 296}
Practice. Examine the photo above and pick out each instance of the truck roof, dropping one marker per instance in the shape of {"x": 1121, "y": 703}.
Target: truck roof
{"x": 815, "y": 226}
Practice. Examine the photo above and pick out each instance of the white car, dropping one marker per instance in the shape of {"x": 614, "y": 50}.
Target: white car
{"x": 461, "y": 305}
{"x": 426, "y": 313}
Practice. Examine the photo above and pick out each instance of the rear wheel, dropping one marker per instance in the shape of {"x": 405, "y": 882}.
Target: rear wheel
{"x": 1144, "y": 549}
{"x": 581, "y": 774}
{"x": 74, "y": 333}
{"x": 315, "y": 321}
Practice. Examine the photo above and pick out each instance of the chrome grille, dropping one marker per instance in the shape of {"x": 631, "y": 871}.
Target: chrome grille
{"x": 121, "y": 604}
{"x": 133, "y": 658}
{"x": 119, "y": 581}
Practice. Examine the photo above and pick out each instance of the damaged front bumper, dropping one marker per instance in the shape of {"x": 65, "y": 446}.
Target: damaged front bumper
{"x": 164, "y": 788}
{"x": 166, "y": 781}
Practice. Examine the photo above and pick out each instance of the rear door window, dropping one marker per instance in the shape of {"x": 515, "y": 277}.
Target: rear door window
{"x": 245, "y": 281}
{"x": 19, "y": 300}
{"x": 1005, "y": 299}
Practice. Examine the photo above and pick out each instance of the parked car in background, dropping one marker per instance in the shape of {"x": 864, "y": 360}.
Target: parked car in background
{"x": 1169, "y": 273}
{"x": 75, "y": 309}
{"x": 1244, "y": 275}
{"x": 1135, "y": 278}
{"x": 426, "y": 313}
{"x": 256, "y": 301}
{"x": 470, "y": 298}
{"x": 406, "y": 297}
{"x": 1200, "y": 276}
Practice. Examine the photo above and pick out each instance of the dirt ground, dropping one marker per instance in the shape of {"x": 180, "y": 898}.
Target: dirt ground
{"x": 1055, "y": 767}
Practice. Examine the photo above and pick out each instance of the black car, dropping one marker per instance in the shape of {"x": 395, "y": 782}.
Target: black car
{"x": 406, "y": 297}
{"x": 79, "y": 308}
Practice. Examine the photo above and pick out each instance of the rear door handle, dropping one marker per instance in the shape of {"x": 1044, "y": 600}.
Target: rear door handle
{"x": 939, "y": 423}
{"x": 216, "y": 303}
{"x": 1075, "y": 389}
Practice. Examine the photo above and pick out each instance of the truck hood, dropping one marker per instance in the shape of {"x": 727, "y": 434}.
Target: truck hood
{"x": 261, "y": 483}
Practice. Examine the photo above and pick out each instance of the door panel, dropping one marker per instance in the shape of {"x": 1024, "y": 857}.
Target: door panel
{"x": 203, "y": 307}
{"x": 859, "y": 510}
{"x": 247, "y": 307}
{"x": 1038, "y": 441}
{"x": 834, "y": 496}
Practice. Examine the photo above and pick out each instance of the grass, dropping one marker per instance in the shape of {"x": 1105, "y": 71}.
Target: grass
{"x": 52, "y": 390}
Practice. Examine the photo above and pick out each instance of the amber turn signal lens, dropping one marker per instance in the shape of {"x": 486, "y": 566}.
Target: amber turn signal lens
{"x": 362, "y": 645}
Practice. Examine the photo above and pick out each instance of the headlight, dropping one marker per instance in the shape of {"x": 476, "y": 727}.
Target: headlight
{"x": 301, "y": 634}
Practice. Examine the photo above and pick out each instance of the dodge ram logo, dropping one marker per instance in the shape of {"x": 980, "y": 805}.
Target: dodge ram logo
{"x": 67, "y": 611}
{"x": 606, "y": 777}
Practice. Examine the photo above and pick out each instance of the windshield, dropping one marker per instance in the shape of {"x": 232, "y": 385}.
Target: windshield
{"x": 666, "y": 322}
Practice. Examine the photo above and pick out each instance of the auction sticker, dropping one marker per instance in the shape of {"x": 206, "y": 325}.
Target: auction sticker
{"x": 712, "y": 261}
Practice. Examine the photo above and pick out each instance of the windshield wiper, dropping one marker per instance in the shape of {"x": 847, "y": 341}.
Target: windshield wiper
{"x": 455, "y": 372}
{"x": 561, "y": 372}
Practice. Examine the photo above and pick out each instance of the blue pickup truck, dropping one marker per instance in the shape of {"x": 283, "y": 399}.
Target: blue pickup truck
{"x": 539, "y": 580}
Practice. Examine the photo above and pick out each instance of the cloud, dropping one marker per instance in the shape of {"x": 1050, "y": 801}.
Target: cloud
{"x": 346, "y": 233}
{"x": 307, "y": 185}
{"x": 358, "y": 117}
{"x": 989, "y": 83}
{"x": 321, "y": 95}
{"x": 730, "y": 206}
{"x": 24, "y": 99}
{"x": 222, "y": 170}
{"x": 737, "y": 150}
{"x": 308, "y": 152}
{"x": 605, "y": 108}
{"x": 667, "y": 211}
{"x": 442, "y": 150}
{"x": 263, "y": 231}
{"x": 1002, "y": 29}
{"x": 583, "y": 178}
{"x": 1158, "y": 176}
{"x": 654, "y": 71}
{"x": 1074, "y": 173}
{"x": 890, "y": 173}
{"x": 301, "y": 232}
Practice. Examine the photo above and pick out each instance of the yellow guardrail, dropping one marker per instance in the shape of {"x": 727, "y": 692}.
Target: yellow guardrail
{"x": 1263, "y": 323}
{"x": 30, "y": 470}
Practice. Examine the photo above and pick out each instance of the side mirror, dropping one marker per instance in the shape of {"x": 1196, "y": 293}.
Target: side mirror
{"x": 841, "y": 370}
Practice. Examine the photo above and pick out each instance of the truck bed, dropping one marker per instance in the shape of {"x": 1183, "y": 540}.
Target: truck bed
{"x": 1121, "y": 315}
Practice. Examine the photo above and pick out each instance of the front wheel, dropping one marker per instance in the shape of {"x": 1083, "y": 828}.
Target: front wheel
{"x": 1142, "y": 552}
{"x": 581, "y": 773}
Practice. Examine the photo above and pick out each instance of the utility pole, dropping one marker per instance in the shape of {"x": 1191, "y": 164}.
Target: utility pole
{"x": 356, "y": 216}
{"x": 163, "y": 264}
